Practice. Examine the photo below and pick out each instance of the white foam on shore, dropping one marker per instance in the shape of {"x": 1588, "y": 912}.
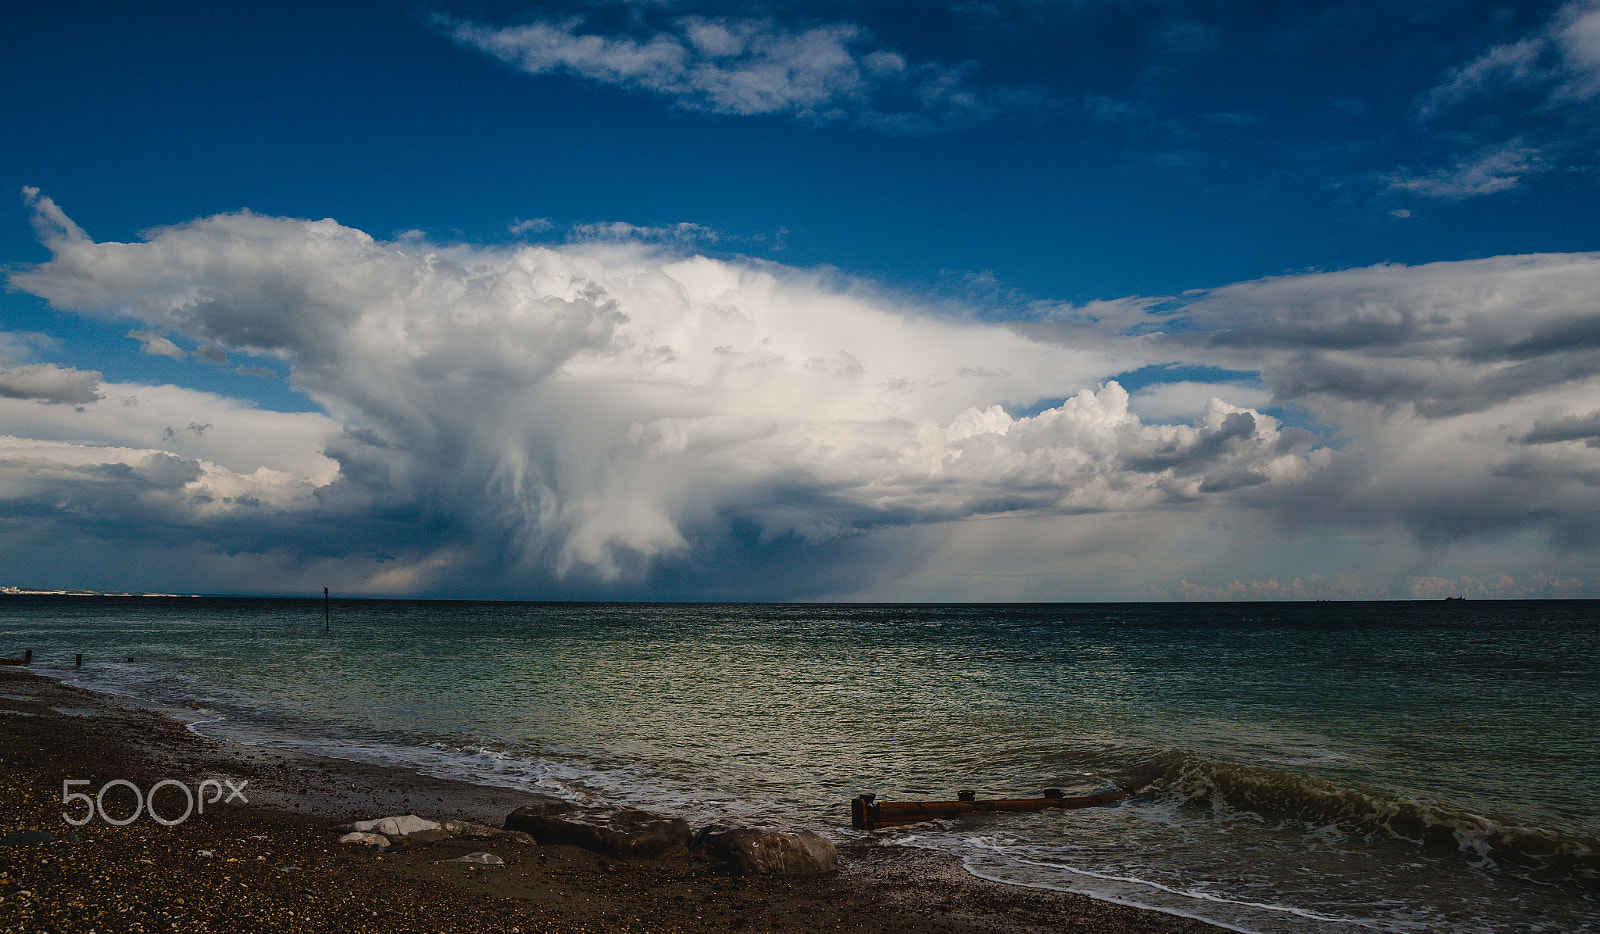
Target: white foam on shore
{"x": 567, "y": 776}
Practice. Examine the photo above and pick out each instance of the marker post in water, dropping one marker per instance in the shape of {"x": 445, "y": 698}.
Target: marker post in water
{"x": 327, "y": 615}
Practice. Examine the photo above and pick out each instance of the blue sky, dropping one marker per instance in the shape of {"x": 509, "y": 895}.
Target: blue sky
{"x": 944, "y": 301}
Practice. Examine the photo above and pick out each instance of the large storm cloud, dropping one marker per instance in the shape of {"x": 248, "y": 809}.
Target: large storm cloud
{"x": 617, "y": 419}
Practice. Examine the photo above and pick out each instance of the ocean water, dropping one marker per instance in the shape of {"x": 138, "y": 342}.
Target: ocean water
{"x": 1297, "y": 767}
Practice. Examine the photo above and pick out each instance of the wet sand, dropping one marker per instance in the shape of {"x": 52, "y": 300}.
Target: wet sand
{"x": 274, "y": 864}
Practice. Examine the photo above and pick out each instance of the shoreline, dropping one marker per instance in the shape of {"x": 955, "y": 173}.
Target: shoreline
{"x": 273, "y": 863}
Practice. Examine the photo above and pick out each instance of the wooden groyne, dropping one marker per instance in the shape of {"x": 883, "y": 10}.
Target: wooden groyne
{"x": 868, "y": 813}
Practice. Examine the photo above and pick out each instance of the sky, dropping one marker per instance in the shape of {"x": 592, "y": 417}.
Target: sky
{"x": 988, "y": 300}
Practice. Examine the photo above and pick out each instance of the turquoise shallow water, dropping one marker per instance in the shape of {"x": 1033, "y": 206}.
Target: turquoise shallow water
{"x": 1298, "y": 767}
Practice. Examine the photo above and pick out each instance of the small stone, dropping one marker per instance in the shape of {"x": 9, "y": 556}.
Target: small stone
{"x": 480, "y": 859}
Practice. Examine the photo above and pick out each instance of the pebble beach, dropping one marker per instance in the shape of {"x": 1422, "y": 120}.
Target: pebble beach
{"x": 273, "y": 863}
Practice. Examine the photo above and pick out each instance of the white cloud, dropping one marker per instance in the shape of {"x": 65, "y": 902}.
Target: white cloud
{"x": 1430, "y": 380}
{"x": 537, "y": 225}
{"x": 19, "y": 345}
{"x": 1184, "y": 400}
{"x": 119, "y": 485}
{"x": 1496, "y": 168}
{"x": 157, "y": 346}
{"x": 1561, "y": 59}
{"x": 747, "y": 66}
{"x": 46, "y": 382}
{"x": 1442, "y": 339}
{"x": 1577, "y": 35}
{"x": 1480, "y": 111}
{"x": 621, "y": 232}
{"x": 137, "y": 417}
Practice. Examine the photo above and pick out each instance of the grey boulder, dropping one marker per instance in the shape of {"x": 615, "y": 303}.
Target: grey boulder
{"x": 614, "y": 831}
{"x": 767, "y": 850}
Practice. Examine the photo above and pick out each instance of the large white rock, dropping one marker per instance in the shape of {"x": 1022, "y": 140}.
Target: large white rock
{"x": 391, "y": 827}
{"x": 362, "y": 837}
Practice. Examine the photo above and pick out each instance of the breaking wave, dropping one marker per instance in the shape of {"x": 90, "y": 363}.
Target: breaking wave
{"x": 1540, "y": 854}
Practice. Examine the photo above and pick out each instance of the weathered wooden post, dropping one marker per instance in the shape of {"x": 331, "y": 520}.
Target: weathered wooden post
{"x": 77, "y": 660}
{"x": 327, "y": 614}
{"x": 868, "y": 813}
{"x": 861, "y": 812}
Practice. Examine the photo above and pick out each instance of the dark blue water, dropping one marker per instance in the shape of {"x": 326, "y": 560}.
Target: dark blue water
{"x": 1297, "y": 767}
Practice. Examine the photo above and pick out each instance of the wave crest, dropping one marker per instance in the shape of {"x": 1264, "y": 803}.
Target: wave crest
{"x": 1541, "y": 854}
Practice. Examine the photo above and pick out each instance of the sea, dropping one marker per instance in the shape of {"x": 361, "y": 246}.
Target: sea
{"x": 1294, "y": 767}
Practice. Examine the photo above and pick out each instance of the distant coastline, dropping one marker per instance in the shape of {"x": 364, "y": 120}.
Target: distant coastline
{"x": 30, "y": 592}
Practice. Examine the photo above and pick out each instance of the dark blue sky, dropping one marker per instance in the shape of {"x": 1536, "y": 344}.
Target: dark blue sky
{"x": 1113, "y": 176}
{"x": 1160, "y": 146}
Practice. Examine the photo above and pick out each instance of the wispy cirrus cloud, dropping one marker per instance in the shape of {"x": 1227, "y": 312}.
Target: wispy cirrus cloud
{"x": 820, "y": 72}
{"x": 1560, "y": 61}
{"x": 622, "y": 232}
{"x": 1495, "y": 168}
{"x": 1516, "y": 111}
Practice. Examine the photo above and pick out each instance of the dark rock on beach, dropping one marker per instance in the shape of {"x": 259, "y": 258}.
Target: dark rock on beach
{"x": 765, "y": 850}
{"x": 614, "y": 831}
